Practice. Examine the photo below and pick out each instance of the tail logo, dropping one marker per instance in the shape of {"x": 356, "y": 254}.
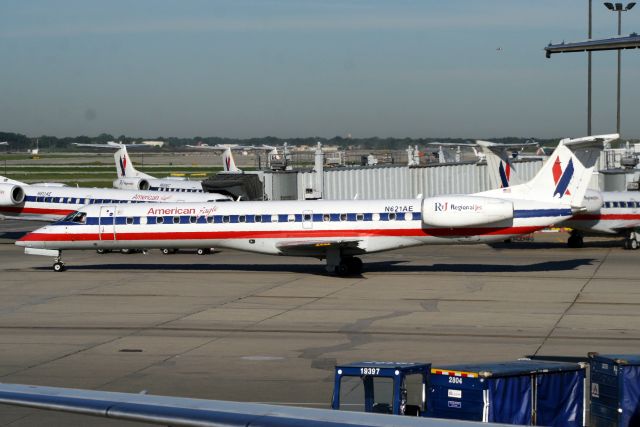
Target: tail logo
{"x": 562, "y": 178}
{"x": 123, "y": 165}
{"x": 505, "y": 174}
{"x": 227, "y": 162}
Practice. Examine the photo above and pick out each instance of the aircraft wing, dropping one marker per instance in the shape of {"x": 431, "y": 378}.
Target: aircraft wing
{"x": 177, "y": 411}
{"x": 219, "y": 147}
{"x": 29, "y": 218}
{"x": 319, "y": 247}
{"x": 452, "y": 144}
{"x": 111, "y": 145}
{"x": 500, "y": 146}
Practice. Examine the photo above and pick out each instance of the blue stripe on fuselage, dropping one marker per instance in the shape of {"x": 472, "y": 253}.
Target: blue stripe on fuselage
{"x": 534, "y": 213}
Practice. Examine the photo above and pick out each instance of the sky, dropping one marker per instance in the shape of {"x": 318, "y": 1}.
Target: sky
{"x": 302, "y": 68}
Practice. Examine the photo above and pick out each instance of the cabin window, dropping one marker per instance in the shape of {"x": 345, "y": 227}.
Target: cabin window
{"x": 408, "y": 216}
{"x": 176, "y": 220}
{"x": 375, "y": 217}
{"x": 306, "y": 217}
{"x": 143, "y": 220}
{"x": 129, "y": 220}
{"x": 242, "y": 218}
{"x": 359, "y": 217}
{"x": 257, "y": 218}
{"x": 193, "y": 219}
{"x": 344, "y": 217}
{"x": 392, "y": 216}
{"x": 47, "y": 199}
{"x": 210, "y": 219}
{"x": 226, "y": 219}
{"x": 326, "y": 217}
{"x": 291, "y": 218}
{"x": 615, "y": 204}
{"x": 160, "y": 220}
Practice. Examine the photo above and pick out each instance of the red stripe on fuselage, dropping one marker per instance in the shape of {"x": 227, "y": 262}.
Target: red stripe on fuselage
{"x": 274, "y": 234}
{"x": 604, "y": 217}
{"x": 41, "y": 211}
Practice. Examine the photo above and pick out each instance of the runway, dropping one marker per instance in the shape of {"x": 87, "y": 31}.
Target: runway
{"x": 247, "y": 327}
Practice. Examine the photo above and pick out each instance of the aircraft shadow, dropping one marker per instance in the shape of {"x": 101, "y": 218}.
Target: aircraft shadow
{"x": 612, "y": 243}
{"x": 371, "y": 267}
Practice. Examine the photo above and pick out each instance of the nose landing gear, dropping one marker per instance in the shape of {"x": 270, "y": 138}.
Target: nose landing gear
{"x": 58, "y": 265}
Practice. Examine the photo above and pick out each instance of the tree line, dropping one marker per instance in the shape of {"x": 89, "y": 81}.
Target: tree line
{"x": 20, "y": 142}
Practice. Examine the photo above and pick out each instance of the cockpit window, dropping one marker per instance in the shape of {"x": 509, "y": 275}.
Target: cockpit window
{"x": 70, "y": 217}
{"x": 80, "y": 218}
{"x": 76, "y": 217}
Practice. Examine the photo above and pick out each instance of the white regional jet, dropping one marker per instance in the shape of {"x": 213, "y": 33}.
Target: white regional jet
{"x": 51, "y": 203}
{"x": 337, "y": 231}
{"x": 606, "y": 213}
{"x": 129, "y": 178}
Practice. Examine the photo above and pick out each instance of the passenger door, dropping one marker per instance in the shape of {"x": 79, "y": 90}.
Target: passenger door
{"x": 107, "y": 225}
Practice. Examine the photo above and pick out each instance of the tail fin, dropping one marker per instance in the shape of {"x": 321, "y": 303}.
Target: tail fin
{"x": 502, "y": 172}
{"x": 566, "y": 175}
{"x": 228, "y": 164}
{"x": 124, "y": 165}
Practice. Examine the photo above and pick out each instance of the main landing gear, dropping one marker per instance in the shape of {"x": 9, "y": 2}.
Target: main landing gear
{"x": 343, "y": 265}
{"x": 58, "y": 265}
{"x": 575, "y": 239}
{"x": 631, "y": 241}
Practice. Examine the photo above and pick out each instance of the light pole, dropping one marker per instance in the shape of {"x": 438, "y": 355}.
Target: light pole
{"x": 619, "y": 8}
{"x": 589, "y": 74}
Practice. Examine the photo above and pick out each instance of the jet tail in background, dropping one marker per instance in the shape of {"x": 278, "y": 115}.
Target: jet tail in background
{"x": 228, "y": 164}
{"x": 566, "y": 175}
{"x": 124, "y": 166}
{"x": 502, "y": 172}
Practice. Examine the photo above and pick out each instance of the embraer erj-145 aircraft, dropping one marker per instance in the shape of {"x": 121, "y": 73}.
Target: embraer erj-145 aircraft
{"x": 129, "y": 178}
{"x": 337, "y": 231}
{"x": 51, "y": 203}
{"x": 606, "y": 213}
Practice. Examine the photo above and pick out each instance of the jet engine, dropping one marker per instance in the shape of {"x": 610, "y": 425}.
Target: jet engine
{"x": 593, "y": 201}
{"x": 464, "y": 211}
{"x": 131, "y": 184}
{"x": 11, "y": 194}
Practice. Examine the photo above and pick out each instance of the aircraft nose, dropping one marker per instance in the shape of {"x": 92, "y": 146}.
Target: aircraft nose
{"x": 32, "y": 240}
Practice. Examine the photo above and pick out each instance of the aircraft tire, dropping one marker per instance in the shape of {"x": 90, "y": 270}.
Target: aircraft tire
{"x": 575, "y": 242}
{"x": 101, "y": 251}
{"x": 355, "y": 266}
{"x": 203, "y": 251}
{"x": 633, "y": 244}
{"x": 342, "y": 269}
{"x": 165, "y": 251}
{"x": 58, "y": 267}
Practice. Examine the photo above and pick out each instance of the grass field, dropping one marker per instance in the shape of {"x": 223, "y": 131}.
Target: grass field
{"x": 90, "y": 173}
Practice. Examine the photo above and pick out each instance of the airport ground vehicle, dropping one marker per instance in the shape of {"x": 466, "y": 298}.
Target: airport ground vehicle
{"x": 381, "y": 387}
